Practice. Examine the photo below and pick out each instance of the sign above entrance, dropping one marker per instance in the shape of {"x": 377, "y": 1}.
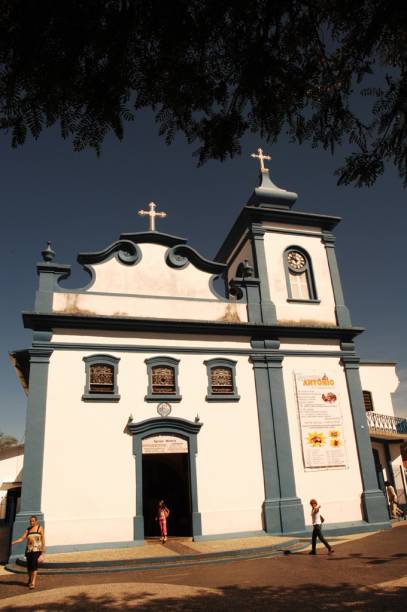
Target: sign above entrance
{"x": 164, "y": 444}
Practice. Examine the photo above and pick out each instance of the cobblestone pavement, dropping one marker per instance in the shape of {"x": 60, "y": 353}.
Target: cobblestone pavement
{"x": 366, "y": 573}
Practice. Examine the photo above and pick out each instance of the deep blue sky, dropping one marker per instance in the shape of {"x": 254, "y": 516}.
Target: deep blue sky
{"x": 82, "y": 203}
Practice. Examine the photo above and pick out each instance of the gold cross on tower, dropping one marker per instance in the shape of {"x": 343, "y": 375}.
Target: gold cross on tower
{"x": 152, "y": 214}
{"x": 261, "y": 157}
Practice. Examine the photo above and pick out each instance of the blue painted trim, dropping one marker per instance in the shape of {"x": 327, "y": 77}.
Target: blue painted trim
{"x": 34, "y": 445}
{"x": 268, "y": 195}
{"x": 298, "y": 301}
{"x": 308, "y": 269}
{"x": 267, "y": 307}
{"x": 165, "y": 425}
{"x": 221, "y": 363}
{"x": 248, "y": 290}
{"x": 49, "y": 321}
{"x": 342, "y": 312}
{"x": 154, "y": 362}
{"x": 126, "y": 348}
{"x": 49, "y": 276}
{"x": 153, "y": 238}
{"x": 282, "y": 509}
{"x": 253, "y": 214}
{"x": 180, "y": 255}
{"x": 373, "y": 501}
{"x": 101, "y": 359}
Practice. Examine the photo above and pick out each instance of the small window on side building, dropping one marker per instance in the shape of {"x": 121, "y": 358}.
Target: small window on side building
{"x": 367, "y": 398}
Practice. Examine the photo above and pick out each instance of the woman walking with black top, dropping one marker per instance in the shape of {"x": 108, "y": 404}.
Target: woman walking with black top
{"x": 34, "y": 534}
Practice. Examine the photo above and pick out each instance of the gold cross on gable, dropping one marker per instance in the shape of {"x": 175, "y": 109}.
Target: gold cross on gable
{"x": 261, "y": 157}
{"x": 152, "y": 215}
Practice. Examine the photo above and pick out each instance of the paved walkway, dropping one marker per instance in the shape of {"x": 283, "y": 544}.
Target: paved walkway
{"x": 153, "y": 552}
{"x": 365, "y": 573}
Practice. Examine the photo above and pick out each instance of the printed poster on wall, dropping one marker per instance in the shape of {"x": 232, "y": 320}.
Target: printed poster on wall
{"x": 321, "y": 420}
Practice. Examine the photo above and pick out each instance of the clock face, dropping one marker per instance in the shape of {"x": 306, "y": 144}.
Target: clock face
{"x": 296, "y": 260}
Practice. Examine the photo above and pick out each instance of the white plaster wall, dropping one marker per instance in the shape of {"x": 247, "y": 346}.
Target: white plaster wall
{"x": 150, "y": 339}
{"x": 311, "y": 344}
{"x": 143, "y": 306}
{"x": 151, "y": 276}
{"x": 337, "y": 489}
{"x": 89, "y": 470}
{"x": 322, "y": 313}
{"x": 381, "y": 380}
{"x": 149, "y": 288}
{"x": 89, "y": 478}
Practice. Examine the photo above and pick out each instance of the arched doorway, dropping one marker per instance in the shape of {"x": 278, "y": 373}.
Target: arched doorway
{"x": 173, "y": 473}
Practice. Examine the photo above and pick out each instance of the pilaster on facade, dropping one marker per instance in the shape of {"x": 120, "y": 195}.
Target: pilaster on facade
{"x": 34, "y": 445}
{"x": 268, "y": 309}
{"x": 283, "y": 511}
{"x": 342, "y": 313}
{"x": 373, "y": 500}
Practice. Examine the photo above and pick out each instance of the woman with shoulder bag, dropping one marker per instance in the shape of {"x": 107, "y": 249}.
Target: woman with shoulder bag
{"x": 35, "y": 548}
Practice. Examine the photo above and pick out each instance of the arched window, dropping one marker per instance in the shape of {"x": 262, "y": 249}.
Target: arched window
{"x": 162, "y": 379}
{"x": 299, "y": 275}
{"x": 221, "y": 380}
{"x": 101, "y": 378}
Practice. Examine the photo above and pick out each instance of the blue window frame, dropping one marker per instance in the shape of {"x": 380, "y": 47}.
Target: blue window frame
{"x": 299, "y": 276}
{"x": 162, "y": 380}
{"x": 221, "y": 380}
{"x": 101, "y": 378}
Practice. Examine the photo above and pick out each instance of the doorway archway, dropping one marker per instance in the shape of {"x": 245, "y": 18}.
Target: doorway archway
{"x": 183, "y": 430}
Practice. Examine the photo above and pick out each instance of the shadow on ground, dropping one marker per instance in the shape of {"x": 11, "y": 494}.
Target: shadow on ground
{"x": 308, "y": 597}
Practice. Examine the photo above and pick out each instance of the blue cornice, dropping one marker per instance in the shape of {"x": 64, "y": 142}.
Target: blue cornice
{"x": 255, "y": 214}
{"x": 126, "y": 250}
{"x": 154, "y": 238}
{"x": 180, "y": 255}
{"x": 49, "y": 321}
{"x": 162, "y": 424}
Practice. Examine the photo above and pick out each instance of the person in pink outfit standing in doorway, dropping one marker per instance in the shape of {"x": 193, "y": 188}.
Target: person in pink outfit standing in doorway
{"x": 162, "y": 515}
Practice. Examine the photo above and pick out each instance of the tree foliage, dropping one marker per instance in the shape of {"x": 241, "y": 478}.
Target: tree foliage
{"x": 332, "y": 72}
{"x": 7, "y": 441}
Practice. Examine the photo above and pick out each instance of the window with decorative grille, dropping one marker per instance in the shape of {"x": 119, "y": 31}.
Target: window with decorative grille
{"x": 367, "y": 398}
{"x": 222, "y": 380}
{"x": 163, "y": 380}
{"x": 101, "y": 378}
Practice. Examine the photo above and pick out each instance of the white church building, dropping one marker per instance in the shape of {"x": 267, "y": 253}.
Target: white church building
{"x": 236, "y": 409}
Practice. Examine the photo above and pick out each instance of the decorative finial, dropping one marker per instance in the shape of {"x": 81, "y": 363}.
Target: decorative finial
{"x": 48, "y": 254}
{"x": 261, "y": 157}
{"x": 152, "y": 215}
{"x": 130, "y": 419}
{"x": 197, "y": 418}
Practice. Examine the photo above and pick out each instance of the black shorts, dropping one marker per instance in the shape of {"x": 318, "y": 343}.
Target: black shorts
{"x": 32, "y": 560}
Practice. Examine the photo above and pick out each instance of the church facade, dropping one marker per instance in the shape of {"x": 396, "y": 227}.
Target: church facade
{"x": 235, "y": 409}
